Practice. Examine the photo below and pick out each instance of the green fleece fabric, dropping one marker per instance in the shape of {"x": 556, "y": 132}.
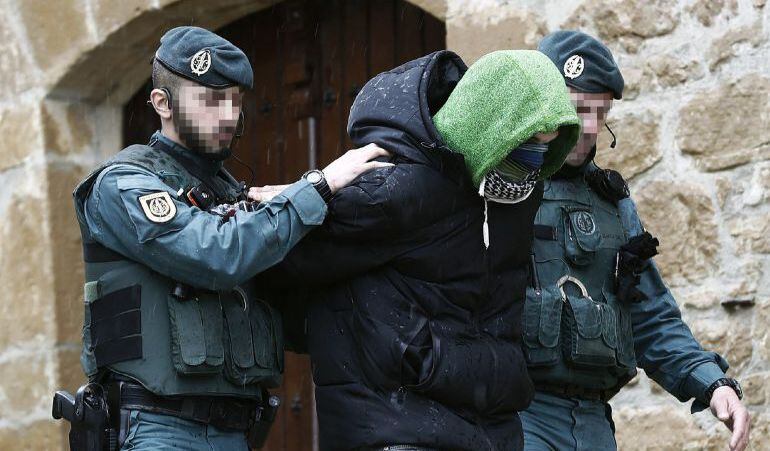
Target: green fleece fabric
{"x": 504, "y": 99}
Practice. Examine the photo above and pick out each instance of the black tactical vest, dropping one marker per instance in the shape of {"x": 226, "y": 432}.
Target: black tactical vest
{"x": 211, "y": 343}
{"x": 576, "y": 332}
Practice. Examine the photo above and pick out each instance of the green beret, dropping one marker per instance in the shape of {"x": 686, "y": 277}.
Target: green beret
{"x": 204, "y": 57}
{"x": 585, "y": 63}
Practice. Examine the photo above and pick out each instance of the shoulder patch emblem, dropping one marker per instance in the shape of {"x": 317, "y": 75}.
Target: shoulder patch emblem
{"x": 585, "y": 223}
{"x": 574, "y": 66}
{"x": 158, "y": 207}
{"x": 201, "y": 62}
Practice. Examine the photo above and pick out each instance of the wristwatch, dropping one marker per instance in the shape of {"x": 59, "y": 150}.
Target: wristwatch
{"x": 724, "y": 382}
{"x": 316, "y": 178}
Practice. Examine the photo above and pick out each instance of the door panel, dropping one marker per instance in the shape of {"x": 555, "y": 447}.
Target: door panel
{"x": 310, "y": 59}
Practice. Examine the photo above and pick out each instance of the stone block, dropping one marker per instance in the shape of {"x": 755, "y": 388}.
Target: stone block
{"x": 638, "y": 147}
{"x": 67, "y": 127}
{"x": 37, "y": 436}
{"x": 110, "y": 15}
{"x": 761, "y": 334}
{"x": 70, "y": 374}
{"x": 27, "y": 308}
{"x": 706, "y": 12}
{"x": 727, "y": 336}
{"x": 681, "y": 215}
{"x": 624, "y": 23}
{"x": 24, "y": 386}
{"x": 660, "y": 428}
{"x": 56, "y": 31}
{"x": 751, "y": 232}
{"x": 700, "y": 299}
{"x": 68, "y": 258}
{"x": 20, "y": 130}
{"x": 726, "y": 46}
{"x": 474, "y": 36}
{"x": 727, "y": 126}
{"x": 672, "y": 70}
{"x": 15, "y": 70}
{"x": 756, "y": 389}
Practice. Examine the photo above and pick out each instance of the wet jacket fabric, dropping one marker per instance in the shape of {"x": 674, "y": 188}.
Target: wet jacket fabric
{"x": 414, "y": 331}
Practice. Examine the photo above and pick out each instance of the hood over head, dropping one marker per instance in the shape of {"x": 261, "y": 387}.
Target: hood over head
{"x": 504, "y": 99}
{"x": 394, "y": 109}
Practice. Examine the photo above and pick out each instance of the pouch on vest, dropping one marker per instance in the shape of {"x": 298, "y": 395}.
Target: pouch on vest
{"x": 252, "y": 339}
{"x": 581, "y": 235}
{"x": 196, "y": 334}
{"x": 589, "y": 329}
{"x": 625, "y": 354}
{"x": 542, "y": 322}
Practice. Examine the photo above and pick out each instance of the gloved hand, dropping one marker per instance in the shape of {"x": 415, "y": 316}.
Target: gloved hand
{"x": 633, "y": 257}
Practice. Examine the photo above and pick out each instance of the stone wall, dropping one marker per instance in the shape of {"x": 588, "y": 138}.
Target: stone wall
{"x": 693, "y": 138}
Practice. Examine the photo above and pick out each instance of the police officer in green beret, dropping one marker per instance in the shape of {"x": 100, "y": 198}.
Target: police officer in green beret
{"x": 597, "y": 307}
{"x": 174, "y": 330}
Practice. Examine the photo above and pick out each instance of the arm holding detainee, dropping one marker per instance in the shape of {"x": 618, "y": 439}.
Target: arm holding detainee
{"x": 669, "y": 353}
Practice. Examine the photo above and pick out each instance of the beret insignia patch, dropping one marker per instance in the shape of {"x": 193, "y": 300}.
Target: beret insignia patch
{"x": 574, "y": 66}
{"x": 201, "y": 62}
{"x": 158, "y": 207}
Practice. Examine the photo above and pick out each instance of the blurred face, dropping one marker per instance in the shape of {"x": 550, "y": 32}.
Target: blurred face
{"x": 592, "y": 109}
{"x": 206, "y": 118}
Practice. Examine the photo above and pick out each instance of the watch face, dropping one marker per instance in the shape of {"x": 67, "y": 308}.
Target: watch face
{"x": 314, "y": 177}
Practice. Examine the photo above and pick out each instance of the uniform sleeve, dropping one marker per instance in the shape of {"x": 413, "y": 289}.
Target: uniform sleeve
{"x": 664, "y": 345}
{"x": 133, "y": 212}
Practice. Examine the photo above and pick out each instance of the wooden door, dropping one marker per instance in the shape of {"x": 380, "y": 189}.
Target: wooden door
{"x": 310, "y": 59}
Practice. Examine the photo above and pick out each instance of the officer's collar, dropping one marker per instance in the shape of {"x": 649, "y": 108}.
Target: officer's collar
{"x": 192, "y": 161}
{"x": 567, "y": 172}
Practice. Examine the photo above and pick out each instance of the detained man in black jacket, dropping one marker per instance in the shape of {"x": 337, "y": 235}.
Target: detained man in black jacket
{"x": 419, "y": 272}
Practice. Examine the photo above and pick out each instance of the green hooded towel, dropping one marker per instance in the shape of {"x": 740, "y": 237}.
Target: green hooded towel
{"x": 502, "y": 101}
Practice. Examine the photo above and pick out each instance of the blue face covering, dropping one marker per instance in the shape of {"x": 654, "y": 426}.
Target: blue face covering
{"x": 522, "y": 161}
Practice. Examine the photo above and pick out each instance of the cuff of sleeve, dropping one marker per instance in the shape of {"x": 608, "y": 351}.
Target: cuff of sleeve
{"x": 310, "y": 206}
{"x": 699, "y": 380}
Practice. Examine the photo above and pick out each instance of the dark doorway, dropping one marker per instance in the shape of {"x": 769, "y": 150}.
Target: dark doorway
{"x": 310, "y": 59}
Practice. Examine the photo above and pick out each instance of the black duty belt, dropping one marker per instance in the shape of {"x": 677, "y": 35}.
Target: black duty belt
{"x": 574, "y": 391}
{"x": 221, "y": 412}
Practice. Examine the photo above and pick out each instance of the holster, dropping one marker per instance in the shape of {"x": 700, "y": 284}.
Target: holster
{"x": 89, "y": 417}
{"x": 262, "y": 421}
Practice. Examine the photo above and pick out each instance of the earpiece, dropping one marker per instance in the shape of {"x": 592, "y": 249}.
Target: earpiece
{"x": 614, "y": 140}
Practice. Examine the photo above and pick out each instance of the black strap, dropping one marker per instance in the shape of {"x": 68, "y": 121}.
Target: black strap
{"x": 116, "y": 326}
{"x": 94, "y": 252}
{"x": 545, "y": 232}
{"x": 126, "y": 348}
{"x": 117, "y": 302}
{"x": 221, "y": 412}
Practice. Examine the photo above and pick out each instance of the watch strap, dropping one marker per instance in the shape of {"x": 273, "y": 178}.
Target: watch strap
{"x": 321, "y": 186}
{"x": 724, "y": 382}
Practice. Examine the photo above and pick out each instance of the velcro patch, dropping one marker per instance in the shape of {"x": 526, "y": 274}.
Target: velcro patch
{"x": 158, "y": 207}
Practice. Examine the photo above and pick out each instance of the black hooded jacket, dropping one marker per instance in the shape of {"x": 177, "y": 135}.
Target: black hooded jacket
{"x": 414, "y": 327}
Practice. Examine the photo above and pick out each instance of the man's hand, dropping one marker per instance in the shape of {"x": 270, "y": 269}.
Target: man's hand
{"x": 338, "y": 174}
{"x": 265, "y": 193}
{"x": 353, "y": 163}
{"x": 728, "y": 409}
